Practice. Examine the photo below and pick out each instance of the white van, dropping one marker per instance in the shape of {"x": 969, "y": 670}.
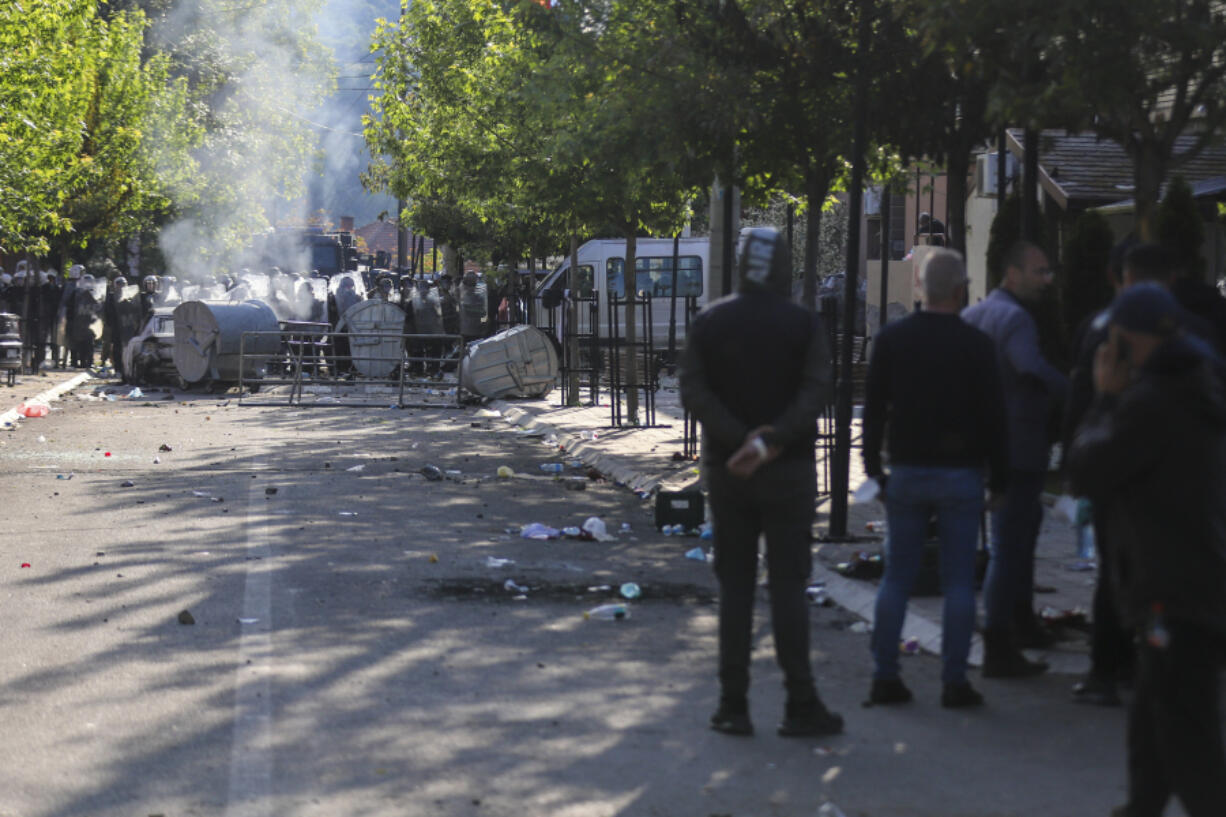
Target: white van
{"x": 602, "y": 265}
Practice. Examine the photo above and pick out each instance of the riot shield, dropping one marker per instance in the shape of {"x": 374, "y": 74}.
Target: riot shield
{"x": 85, "y": 322}
{"x": 474, "y": 317}
{"x": 427, "y": 311}
{"x": 127, "y": 314}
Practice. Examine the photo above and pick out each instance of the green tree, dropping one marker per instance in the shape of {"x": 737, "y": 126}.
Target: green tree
{"x": 537, "y": 122}
{"x": 1149, "y": 75}
{"x": 136, "y": 137}
{"x": 43, "y": 95}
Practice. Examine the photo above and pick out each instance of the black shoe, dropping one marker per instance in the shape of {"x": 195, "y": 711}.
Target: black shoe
{"x": 960, "y": 695}
{"x": 1001, "y": 659}
{"x": 732, "y": 717}
{"x": 1096, "y": 691}
{"x": 889, "y": 691}
{"x": 1035, "y": 637}
{"x": 809, "y": 720}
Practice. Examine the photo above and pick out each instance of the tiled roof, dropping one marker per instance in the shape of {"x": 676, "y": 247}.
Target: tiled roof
{"x": 1084, "y": 170}
{"x": 379, "y": 235}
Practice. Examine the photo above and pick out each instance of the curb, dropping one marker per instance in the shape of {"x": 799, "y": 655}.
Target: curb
{"x": 849, "y": 594}
{"x": 607, "y": 464}
{"x": 10, "y": 418}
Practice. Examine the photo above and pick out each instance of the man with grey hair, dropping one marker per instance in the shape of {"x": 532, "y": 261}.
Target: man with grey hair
{"x": 933, "y": 398}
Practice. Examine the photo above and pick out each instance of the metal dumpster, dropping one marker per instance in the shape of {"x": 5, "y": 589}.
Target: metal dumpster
{"x": 374, "y": 356}
{"x": 518, "y": 362}
{"x": 208, "y": 335}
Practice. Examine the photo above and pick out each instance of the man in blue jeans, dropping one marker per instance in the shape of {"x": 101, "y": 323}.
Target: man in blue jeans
{"x": 1033, "y": 389}
{"x": 933, "y": 384}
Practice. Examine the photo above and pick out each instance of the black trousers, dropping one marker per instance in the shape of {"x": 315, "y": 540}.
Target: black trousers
{"x": 1112, "y": 652}
{"x": 1174, "y": 726}
{"x": 82, "y": 353}
{"x": 778, "y": 501}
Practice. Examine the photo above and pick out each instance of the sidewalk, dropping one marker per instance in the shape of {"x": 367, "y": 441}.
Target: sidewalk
{"x": 46, "y": 387}
{"x": 642, "y": 459}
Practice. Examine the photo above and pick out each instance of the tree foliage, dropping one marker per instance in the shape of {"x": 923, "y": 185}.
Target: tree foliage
{"x": 117, "y": 118}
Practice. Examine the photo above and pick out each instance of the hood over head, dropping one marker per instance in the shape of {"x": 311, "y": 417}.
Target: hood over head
{"x": 764, "y": 261}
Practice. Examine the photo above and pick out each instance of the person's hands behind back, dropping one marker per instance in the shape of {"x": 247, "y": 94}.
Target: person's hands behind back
{"x": 753, "y": 454}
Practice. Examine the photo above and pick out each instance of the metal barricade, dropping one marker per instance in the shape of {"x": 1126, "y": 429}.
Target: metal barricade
{"x": 307, "y": 370}
{"x": 647, "y": 370}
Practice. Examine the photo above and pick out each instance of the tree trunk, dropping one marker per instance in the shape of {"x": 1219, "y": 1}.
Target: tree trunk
{"x": 1149, "y": 170}
{"x": 632, "y": 368}
{"x": 955, "y": 189}
{"x": 1030, "y": 185}
{"x": 817, "y": 187}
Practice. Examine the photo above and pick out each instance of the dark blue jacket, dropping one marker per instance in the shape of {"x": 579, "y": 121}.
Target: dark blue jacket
{"x": 1033, "y": 388}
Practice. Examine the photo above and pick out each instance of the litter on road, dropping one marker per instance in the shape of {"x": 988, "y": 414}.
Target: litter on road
{"x": 608, "y": 612}
{"x": 495, "y": 561}
{"x": 630, "y": 590}
{"x": 537, "y": 530}
{"x": 698, "y": 555}
{"x": 596, "y": 526}
{"x": 34, "y": 408}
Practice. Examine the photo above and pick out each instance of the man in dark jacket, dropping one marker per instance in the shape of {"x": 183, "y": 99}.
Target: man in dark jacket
{"x": 755, "y": 373}
{"x": 1033, "y": 388}
{"x": 1151, "y": 453}
{"x": 933, "y": 380}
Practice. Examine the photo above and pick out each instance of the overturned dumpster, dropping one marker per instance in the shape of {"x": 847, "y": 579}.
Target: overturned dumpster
{"x": 520, "y": 362}
{"x": 209, "y": 337}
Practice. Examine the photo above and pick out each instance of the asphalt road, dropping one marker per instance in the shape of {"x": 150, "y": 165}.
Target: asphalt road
{"x": 355, "y": 653}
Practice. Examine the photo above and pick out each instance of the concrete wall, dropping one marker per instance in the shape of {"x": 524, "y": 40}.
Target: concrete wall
{"x": 980, "y": 210}
{"x": 900, "y": 292}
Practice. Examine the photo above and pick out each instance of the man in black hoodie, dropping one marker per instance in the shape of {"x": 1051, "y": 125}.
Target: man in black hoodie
{"x": 755, "y": 372}
{"x": 1151, "y": 453}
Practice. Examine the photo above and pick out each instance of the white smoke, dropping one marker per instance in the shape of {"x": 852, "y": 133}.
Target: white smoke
{"x": 259, "y": 148}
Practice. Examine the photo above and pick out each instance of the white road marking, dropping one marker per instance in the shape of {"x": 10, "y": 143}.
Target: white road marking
{"x": 251, "y": 753}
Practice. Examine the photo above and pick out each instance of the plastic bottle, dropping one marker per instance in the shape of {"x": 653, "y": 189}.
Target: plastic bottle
{"x": 552, "y": 467}
{"x": 608, "y": 612}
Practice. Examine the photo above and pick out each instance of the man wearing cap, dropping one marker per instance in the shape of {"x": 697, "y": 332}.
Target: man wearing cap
{"x": 1151, "y": 454}
{"x": 933, "y": 381}
{"x": 756, "y": 372}
{"x": 1032, "y": 389}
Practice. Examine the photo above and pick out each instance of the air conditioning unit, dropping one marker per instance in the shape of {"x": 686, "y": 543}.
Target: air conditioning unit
{"x": 985, "y": 173}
